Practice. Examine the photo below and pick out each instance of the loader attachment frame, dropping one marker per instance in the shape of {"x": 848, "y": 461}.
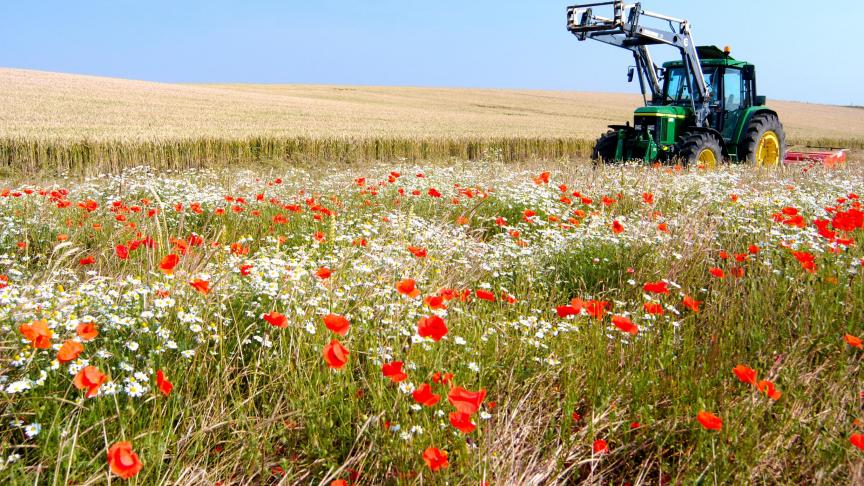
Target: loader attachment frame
{"x": 623, "y": 29}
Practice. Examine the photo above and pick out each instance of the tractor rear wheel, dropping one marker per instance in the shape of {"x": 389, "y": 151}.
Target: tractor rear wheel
{"x": 605, "y": 148}
{"x": 699, "y": 148}
{"x": 764, "y": 142}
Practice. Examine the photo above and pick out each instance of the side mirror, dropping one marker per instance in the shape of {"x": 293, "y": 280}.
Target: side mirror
{"x": 630, "y": 73}
{"x": 749, "y": 72}
{"x": 761, "y": 100}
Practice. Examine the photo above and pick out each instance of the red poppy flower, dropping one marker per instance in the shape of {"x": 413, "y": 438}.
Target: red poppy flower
{"x": 447, "y": 294}
{"x": 853, "y": 341}
{"x": 90, "y": 379}
{"x": 625, "y": 324}
{"x": 168, "y": 263}
{"x": 653, "y": 308}
{"x": 807, "y": 260}
{"x": 88, "y": 205}
{"x": 767, "y": 387}
{"x": 857, "y": 440}
{"x": 394, "y": 371}
{"x": 88, "y": 260}
{"x": 462, "y": 422}
{"x": 417, "y": 251}
{"x": 543, "y": 178}
{"x": 691, "y": 303}
{"x": 435, "y": 302}
{"x": 69, "y": 351}
{"x": 594, "y": 308}
{"x": 466, "y": 401}
{"x": 433, "y": 327}
{"x": 239, "y": 250}
{"x": 38, "y": 333}
{"x": 202, "y": 286}
{"x": 408, "y": 287}
{"x": 717, "y": 272}
{"x": 87, "y": 331}
{"x": 336, "y": 323}
{"x": 566, "y": 310}
{"x": 245, "y": 270}
{"x": 849, "y": 220}
{"x": 163, "y": 384}
{"x": 447, "y": 378}
{"x": 122, "y": 252}
{"x": 484, "y": 294}
{"x": 617, "y": 227}
{"x": 709, "y": 421}
{"x": 335, "y": 355}
{"x": 745, "y": 374}
{"x": 276, "y": 319}
{"x": 600, "y": 447}
{"x": 424, "y": 396}
{"x": 435, "y": 458}
{"x": 433, "y": 192}
{"x": 123, "y": 461}
{"x": 323, "y": 273}
{"x": 656, "y": 287}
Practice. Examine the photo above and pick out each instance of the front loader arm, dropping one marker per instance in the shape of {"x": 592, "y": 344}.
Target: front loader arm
{"x": 624, "y": 30}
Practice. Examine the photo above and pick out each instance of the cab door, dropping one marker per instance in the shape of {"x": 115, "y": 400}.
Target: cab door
{"x": 736, "y": 100}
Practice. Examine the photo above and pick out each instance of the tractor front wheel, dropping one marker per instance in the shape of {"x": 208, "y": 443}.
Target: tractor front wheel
{"x": 764, "y": 142}
{"x": 605, "y": 148}
{"x": 702, "y": 149}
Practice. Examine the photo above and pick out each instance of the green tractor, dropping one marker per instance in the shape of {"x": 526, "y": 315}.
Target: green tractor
{"x": 702, "y": 109}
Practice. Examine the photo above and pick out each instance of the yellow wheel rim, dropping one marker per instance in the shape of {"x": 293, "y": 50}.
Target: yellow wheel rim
{"x": 707, "y": 159}
{"x": 768, "y": 150}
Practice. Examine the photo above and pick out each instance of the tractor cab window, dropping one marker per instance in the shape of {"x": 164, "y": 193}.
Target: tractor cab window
{"x": 733, "y": 89}
{"x": 676, "y": 89}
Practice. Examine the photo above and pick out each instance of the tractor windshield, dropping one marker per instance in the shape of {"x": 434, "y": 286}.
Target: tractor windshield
{"x": 676, "y": 90}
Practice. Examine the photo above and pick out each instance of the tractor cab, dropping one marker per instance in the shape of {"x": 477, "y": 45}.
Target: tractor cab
{"x": 731, "y": 83}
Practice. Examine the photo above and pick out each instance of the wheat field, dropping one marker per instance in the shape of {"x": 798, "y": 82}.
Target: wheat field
{"x": 66, "y": 121}
{"x": 52, "y": 106}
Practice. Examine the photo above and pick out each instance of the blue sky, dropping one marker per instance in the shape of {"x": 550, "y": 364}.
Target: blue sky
{"x": 479, "y": 43}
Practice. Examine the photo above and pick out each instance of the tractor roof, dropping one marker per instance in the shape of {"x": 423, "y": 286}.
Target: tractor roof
{"x": 710, "y": 56}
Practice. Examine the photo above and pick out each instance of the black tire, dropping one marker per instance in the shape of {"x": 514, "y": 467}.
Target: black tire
{"x": 605, "y": 148}
{"x": 693, "y": 144}
{"x": 759, "y": 125}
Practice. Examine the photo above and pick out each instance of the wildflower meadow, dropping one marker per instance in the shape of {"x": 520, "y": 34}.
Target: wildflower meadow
{"x": 469, "y": 323}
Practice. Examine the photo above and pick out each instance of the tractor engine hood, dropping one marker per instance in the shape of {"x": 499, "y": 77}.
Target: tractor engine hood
{"x": 669, "y": 111}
